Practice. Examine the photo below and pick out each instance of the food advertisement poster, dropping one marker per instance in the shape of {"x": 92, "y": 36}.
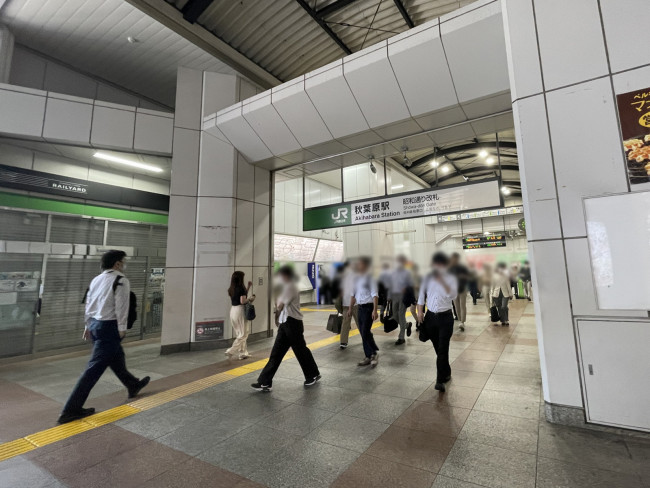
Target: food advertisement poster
{"x": 634, "y": 117}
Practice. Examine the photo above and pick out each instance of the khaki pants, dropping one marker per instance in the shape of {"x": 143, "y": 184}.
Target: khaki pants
{"x": 460, "y": 302}
{"x": 528, "y": 286}
{"x": 238, "y": 322}
{"x": 347, "y": 322}
{"x": 488, "y": 299}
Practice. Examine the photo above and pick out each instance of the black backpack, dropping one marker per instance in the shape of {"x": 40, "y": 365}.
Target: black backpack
{"x": 133, "y": 303}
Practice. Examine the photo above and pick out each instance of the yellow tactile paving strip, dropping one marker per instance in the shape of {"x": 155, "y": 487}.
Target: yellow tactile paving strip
{"x": 60, "y": 432}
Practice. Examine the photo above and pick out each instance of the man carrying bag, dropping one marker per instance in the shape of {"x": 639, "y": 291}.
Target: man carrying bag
{"x": 107, "y": 317}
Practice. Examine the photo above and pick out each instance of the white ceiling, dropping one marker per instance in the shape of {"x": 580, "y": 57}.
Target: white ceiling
{"x": 91, "y": 35}
{"x": 84, "y": 156}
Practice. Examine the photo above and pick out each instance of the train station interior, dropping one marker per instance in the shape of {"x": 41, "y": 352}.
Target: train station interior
{"x": 303, "y": 144}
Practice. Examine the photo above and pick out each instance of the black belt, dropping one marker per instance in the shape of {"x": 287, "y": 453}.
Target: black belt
{"x": 445, "y": 312}
{"x": 366, "y": 305}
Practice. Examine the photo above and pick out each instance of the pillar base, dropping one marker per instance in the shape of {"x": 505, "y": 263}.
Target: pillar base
{"x": 209, "y": 345}
{"x": 575, "y": 417}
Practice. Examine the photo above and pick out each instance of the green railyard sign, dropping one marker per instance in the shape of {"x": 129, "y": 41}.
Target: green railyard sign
{"x": 421, "y": 203}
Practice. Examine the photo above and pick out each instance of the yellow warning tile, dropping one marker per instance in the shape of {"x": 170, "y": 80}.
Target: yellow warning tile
{"x": 112, "y": 415}
{"x": 15, "y": 448}
{"x": 239, "y": 371}
{"x": 58, "y": 433}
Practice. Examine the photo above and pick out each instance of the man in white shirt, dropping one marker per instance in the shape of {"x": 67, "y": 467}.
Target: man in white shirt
{"x": 400, "y": 281}
{"x": 438, "y": 291}
{"x": 365, "y": 296}
{"x": 347, "y": 286}
{"x": 290, "y": 335}
{"x": 106, "y": 317}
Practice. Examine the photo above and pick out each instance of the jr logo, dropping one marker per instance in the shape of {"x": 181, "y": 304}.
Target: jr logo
{"x": 342, "y": 214}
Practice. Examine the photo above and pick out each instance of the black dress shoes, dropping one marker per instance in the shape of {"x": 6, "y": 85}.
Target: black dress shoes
{"x": 133, "y": 392}
{"x": 66, "y": 417}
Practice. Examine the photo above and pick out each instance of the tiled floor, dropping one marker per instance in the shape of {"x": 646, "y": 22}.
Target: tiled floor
{"x": 386, "y": 427}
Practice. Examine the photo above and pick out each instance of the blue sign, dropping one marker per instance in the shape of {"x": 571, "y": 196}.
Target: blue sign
{"x": 312, "y": 273}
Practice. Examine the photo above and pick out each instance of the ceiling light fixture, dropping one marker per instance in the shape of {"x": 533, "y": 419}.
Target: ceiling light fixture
{"x": 434, "y": 164}
{"x": 483, "y": 153}
{"x": 127, "y": 162}
{"x": 489, "y": 160}
{"x": 505, "y": 190}
{"x": 445, "y": 169}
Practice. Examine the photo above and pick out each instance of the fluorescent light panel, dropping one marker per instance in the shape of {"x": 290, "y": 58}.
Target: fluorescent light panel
{"x": 127, "y": 162}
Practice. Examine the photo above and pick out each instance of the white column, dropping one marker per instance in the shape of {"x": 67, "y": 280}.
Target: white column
{"x": 219, "y": 219}
{"x": 6, "y": 53}
{"x": 567, "y": 62}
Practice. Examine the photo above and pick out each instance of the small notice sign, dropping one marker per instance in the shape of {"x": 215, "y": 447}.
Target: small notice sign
{"x": 209, "y": 330}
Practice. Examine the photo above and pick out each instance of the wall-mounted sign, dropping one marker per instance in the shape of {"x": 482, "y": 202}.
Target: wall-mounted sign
{"x": 67, "y": 186}
{"x": 481, "y": 241}
{"x": 293, "y": 248}
{"x": 420, "y": 203}
{"x": 51, "y": 184}
{"x": 481, "y": 214}
{"x": 312, "y": 274}
{"x": 634, "y": 117}
{"x": 210, "y": 330}
{"x": 329, "y": 251}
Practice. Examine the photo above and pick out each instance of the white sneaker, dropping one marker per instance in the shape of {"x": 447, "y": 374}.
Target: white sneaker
{"x": 227, "y": 352}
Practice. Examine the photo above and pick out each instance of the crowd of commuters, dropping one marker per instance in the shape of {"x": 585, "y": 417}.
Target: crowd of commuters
{"x": 434, "y": 302}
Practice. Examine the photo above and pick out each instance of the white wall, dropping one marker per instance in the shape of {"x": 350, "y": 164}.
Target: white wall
{"x": 287, "y": 211}
{"x": 20, "y": 157}
{"x": 31, "y": 69}
{"x": 563, "y": 85}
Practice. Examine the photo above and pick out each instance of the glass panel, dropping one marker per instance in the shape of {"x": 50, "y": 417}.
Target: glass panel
{"x": 360, "y": 181}
{"x": 20, "y": 276}
{"x": 400, "y": 183}
{"x": 323, "y": 189}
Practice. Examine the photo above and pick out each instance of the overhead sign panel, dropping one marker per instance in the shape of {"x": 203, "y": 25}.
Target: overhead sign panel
{"x": 484, "y": 241}
{"x": 420, "y": 203}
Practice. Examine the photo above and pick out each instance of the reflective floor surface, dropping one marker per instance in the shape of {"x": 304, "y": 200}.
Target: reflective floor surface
{"x": 386, "y": 427}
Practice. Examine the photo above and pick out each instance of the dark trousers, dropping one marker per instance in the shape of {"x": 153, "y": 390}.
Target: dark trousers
{"x": 365, "y": 329}
{"x": 107, "y": 353}
{"x": 439, "y": 327}
{"x": 473, "y": 291}
{"x": 290, "y": 335}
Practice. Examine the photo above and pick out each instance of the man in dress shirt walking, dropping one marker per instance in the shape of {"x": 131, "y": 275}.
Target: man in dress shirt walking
{"x": 437, "y": 292}
{"x": 107, "y": 312}
{"x": 400, "y": 281}
{"x": 366, "y": 297}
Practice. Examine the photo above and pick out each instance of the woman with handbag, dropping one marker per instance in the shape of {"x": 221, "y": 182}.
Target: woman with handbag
{"x": 238, "y": 294}
{"x": 502, "y": 292}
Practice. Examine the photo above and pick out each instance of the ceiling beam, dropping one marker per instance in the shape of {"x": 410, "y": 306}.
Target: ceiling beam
{"x": 193, "y": 9}
{"x": 314, "y": 15}
{"x": 465, "y": 147}
{"x": 469, "y": 171}
{"x": 405, "y": 14}
{"x": 172, "y": 18}
{"x": 333, "y": 7}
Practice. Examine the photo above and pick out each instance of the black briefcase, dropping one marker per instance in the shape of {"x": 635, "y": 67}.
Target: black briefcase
{"x": 494, "y": 314}
{"x": 334, "y": 323}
